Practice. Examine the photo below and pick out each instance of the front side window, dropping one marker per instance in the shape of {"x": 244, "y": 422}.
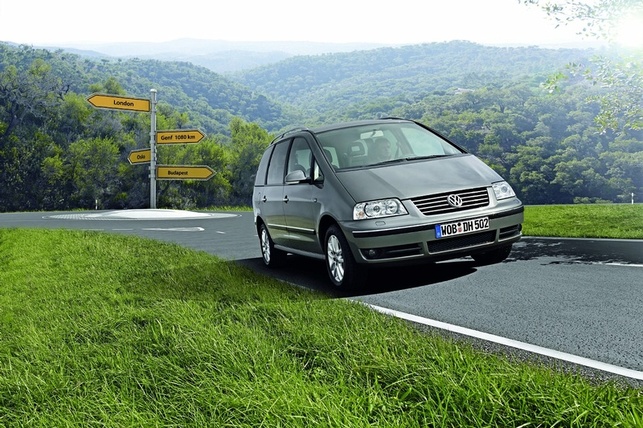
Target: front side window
{"x": 300, "y": 157}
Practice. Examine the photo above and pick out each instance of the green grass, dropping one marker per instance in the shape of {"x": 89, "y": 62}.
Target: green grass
{"x": 585, "y": 221}
{"x": 108, "y": 330}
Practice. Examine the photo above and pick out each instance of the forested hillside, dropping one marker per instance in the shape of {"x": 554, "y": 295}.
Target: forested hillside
{"x": 210, "y": 99}
{"x": 331, "y": 86}
{"x": 496, "y": 102}
{"x": 57, "y": 152}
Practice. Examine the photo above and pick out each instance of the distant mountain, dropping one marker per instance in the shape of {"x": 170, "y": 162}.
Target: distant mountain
{"x": 218, "y": 55}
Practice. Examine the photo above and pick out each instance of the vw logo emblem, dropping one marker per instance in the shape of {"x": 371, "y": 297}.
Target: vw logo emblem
{"x": 454, "y": 201}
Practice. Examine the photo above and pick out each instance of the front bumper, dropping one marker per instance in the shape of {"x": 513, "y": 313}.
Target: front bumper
{"x": 397, "y": 241}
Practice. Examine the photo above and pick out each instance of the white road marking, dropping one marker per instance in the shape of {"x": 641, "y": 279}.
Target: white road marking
{"x": 141, "y": 214}
{"x": 610, "y": 368}
{"x": 175, "y": 229}
{"x": 620, "y": 264}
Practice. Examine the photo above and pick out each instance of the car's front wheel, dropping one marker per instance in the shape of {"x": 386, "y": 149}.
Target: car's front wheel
{"x": 271, "y": 256}
{"x": 493, "y": 256}
{"x": 342, "y": 269}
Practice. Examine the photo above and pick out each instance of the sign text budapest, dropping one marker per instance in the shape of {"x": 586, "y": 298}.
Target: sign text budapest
{"x": 195, "y": 172}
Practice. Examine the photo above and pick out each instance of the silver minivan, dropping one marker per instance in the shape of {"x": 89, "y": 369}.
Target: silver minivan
{"x": 379, "y": 192}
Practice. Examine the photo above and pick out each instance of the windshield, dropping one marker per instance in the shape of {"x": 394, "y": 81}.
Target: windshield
{"x": 382, "y": 143}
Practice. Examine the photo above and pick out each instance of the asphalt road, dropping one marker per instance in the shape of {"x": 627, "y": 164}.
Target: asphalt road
{"x": 578, "y": 297}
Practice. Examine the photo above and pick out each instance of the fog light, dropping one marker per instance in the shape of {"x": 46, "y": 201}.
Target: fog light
{"x": 372, "y": 253}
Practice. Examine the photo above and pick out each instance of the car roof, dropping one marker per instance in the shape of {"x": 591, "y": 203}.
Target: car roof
{"x": 351, "y": 124}
{"x": 339, "y": 125}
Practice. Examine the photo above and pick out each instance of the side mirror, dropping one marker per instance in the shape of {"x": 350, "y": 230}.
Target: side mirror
{"x": 296, "y": 177}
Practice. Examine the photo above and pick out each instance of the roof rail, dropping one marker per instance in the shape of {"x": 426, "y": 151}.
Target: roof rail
{"x": 290, "y": 131}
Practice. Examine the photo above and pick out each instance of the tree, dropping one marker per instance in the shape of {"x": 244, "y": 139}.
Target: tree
{"x": 248, "y": 144}
{"x": 600, "y": 18}
{"x": 27, "y": 94}
{"x": 622, "y": 105}
{"x": 93, "y": 169}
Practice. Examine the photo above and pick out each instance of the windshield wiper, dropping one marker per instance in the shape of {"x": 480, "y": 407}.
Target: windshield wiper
{"x": 386, "y": 162}
{"x": 425, "y": 157}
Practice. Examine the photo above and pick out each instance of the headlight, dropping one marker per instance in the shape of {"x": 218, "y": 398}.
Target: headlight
{"x": 378, "y": 209}
{"x": 503, "y": 190}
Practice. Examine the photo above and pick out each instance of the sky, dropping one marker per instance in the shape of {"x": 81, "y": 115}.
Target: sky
{"x": 495, "y": 22}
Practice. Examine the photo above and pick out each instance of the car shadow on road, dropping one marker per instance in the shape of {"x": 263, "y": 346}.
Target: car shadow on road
{"x": 311, "y": 273}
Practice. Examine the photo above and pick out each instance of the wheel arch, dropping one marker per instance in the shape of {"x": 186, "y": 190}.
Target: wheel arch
{"x": 258, "y": 222}
{"x": 324, "y": 223}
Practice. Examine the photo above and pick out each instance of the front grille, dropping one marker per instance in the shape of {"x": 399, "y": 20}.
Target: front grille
{"x": 437, "y": 204}
{"x": 461, "y": 242}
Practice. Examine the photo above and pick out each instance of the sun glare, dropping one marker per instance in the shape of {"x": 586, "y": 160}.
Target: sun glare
{"x": 629, "y": 31}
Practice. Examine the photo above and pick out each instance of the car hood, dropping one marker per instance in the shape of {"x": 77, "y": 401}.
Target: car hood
{"x": 417, "y": 178}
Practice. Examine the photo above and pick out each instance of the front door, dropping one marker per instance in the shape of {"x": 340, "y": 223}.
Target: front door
{"x": 300, "y": 206}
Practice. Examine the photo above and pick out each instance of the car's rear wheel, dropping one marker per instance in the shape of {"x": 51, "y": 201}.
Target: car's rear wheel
{"x": 492, "y": 257}
{"x": 271, "y": 256}
{"x": 342, "y": 269}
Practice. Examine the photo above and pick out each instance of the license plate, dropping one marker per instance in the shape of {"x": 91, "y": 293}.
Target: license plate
{"x": 461, "y": 227}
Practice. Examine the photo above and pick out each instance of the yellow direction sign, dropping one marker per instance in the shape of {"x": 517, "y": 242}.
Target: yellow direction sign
{"x": 119, "y": 103}
{"x": 196, "y": 172}
{"x": 140, "y": 156}
{"x": 179, "y": 136}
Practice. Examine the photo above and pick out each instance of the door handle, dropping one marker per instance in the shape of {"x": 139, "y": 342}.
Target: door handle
{"x": 264, "y": 199}
{"x": 286, "y": 199}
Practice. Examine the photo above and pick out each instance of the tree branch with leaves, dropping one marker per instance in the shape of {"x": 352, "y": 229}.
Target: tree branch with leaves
{"x": 622, "y": 103}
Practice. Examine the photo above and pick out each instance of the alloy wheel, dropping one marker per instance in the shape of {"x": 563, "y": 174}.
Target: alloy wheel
{"x": 335, "y": 259}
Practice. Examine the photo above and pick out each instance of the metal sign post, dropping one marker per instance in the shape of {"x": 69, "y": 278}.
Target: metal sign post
{"x": 153, "y": 149}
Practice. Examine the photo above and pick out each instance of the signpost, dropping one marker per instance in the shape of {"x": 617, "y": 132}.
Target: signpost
{"x": 179, "y": 136}
{"x": 119, "y": 103}
{"x": 143, "y": 156}
{"x": 192, "y": 172}
{"x": 153, "y": 150}
{"x": 140, "y": 156}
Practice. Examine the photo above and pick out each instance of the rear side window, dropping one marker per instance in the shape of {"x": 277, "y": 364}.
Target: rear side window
{"x": 277, "y": 164}
{"x": 260, "y": 179}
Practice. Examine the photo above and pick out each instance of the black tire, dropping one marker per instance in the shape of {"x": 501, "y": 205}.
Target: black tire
{"x": 492, "y": 257}
{"x": 342, "y": 269}
{"x": 271, "y": 256}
